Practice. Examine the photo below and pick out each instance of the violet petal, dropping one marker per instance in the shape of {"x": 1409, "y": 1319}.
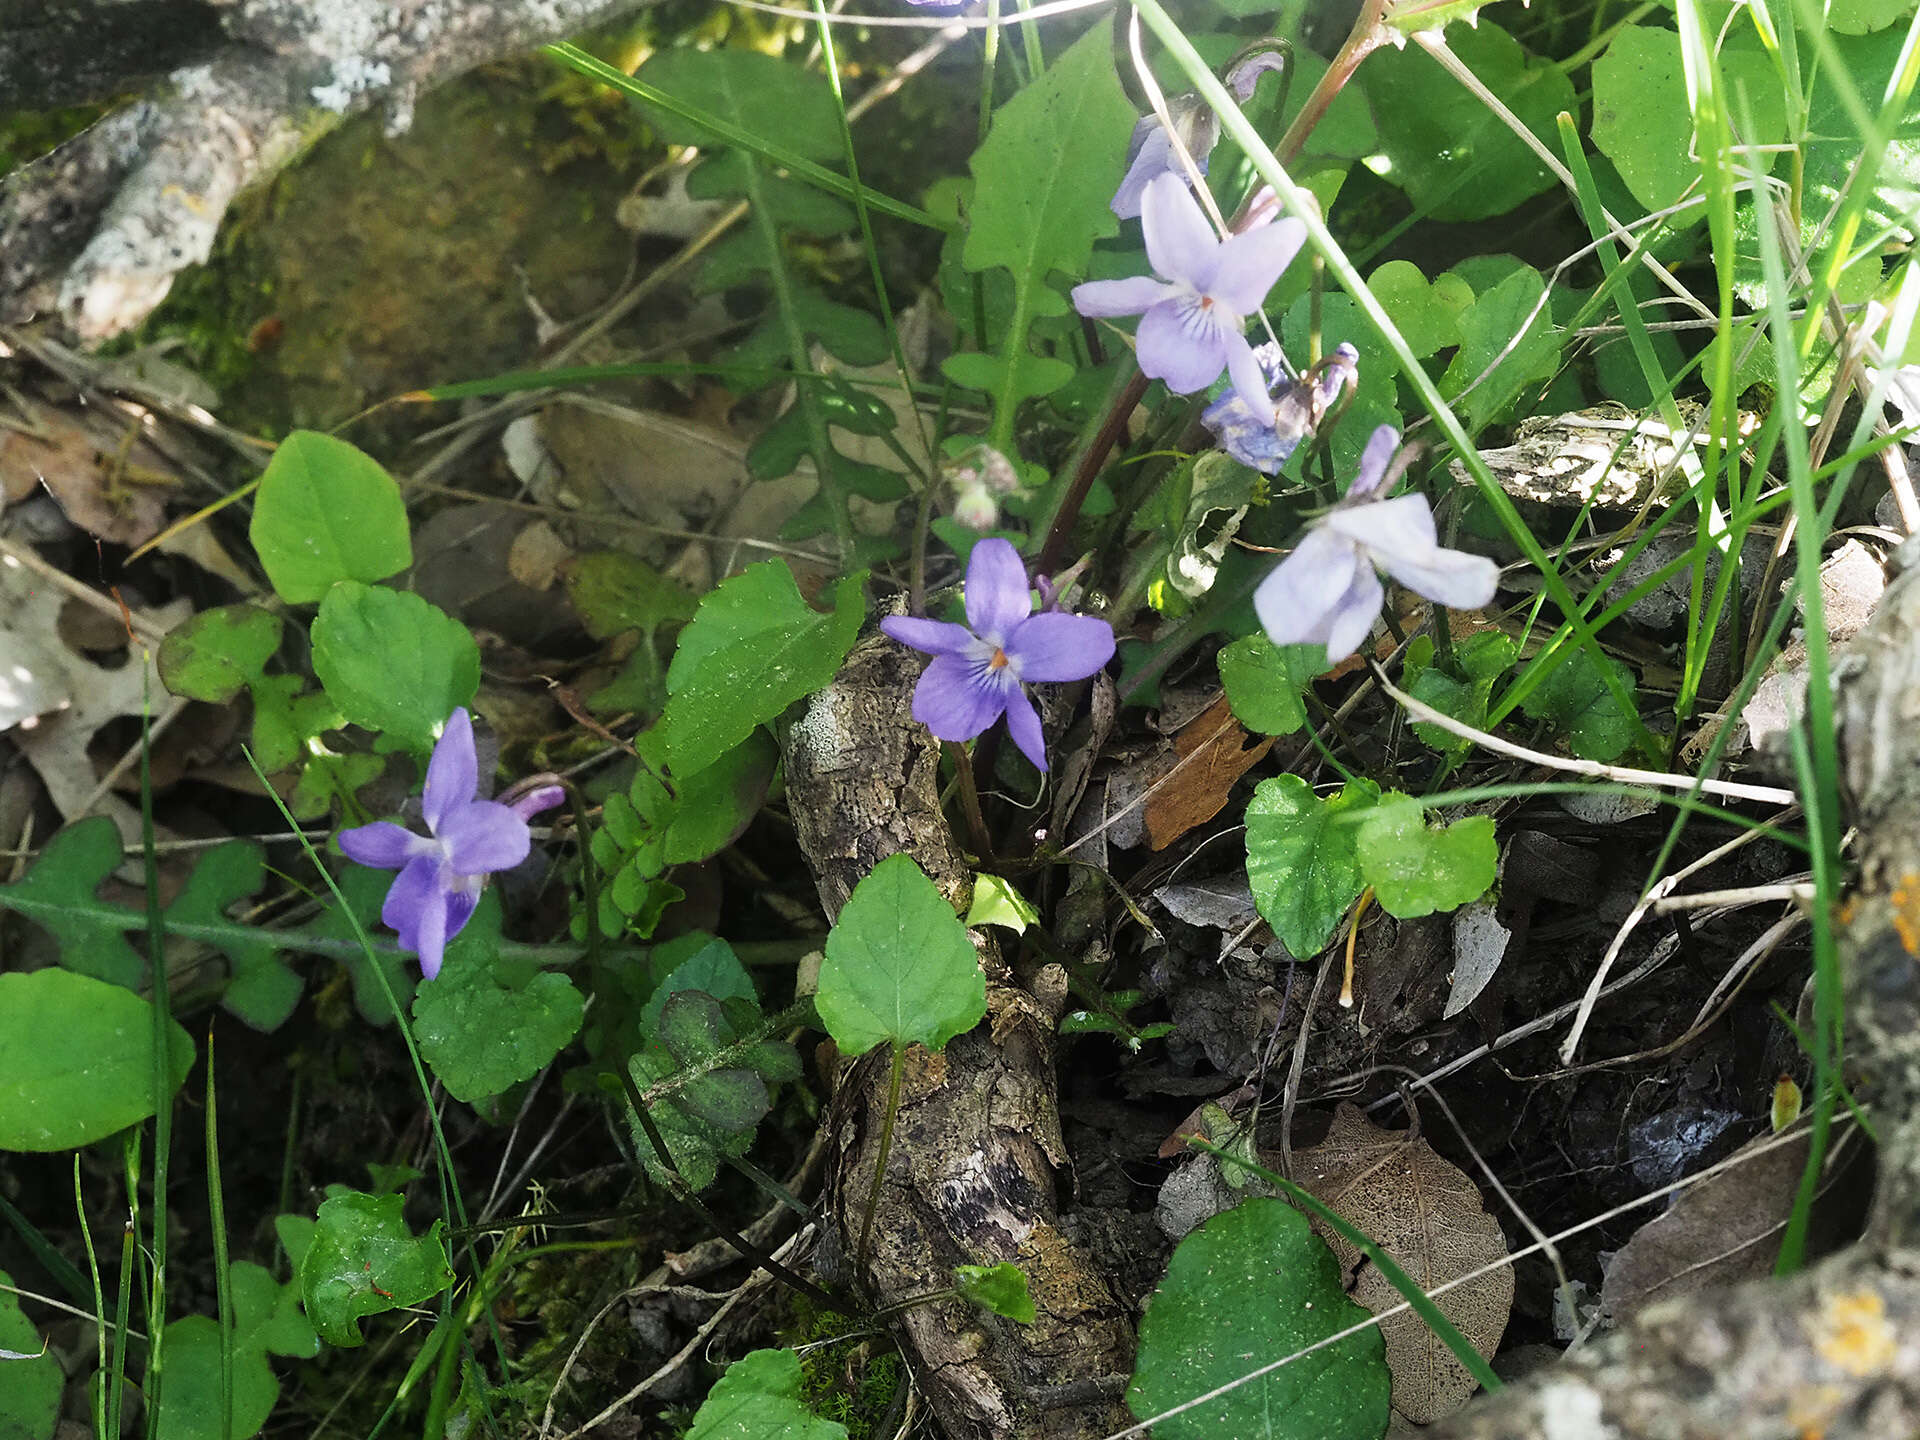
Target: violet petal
{"x": 935, "y": 637}
{"x": 1249, "y": 383}
{"x": 997, "y": 598}
{"x": 1132, "y": 296}
{"x": 956, "y": 699}
{"x": 1351, "y": 619}
{"x": 415, "y": 890}
{"x": 1182, "y": 343}
{"x": 1250, "y": 262}
{"x": 1180, "y": 243}
{"x": 1295, "y": 601}
{"x": 382, "y": 845}
{"x": 484, "y": 836}
{"x": 1056, "y": 646}
{"x": 453, "y": 774}
{"x": 1374, "y": 461}
{"x": 544, "y": 797}
{"x": 1023, "y": 723}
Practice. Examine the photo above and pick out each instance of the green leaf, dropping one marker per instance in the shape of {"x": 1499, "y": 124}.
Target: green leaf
{"x": 219, "y": 652}
{"x": 714, "y": 804}
{"x": 759, "y": 1399}
{"x": 615, "y": 592}
{"x": 1044, "y": 177}
{"x": 326, "y": 512}
{"x": 262, "y": 990}
{"x": 996, "y": 902}
{"x": 899, "y": 967}
{"x": 759, "y": 93}
{"x": 266, "y": 1317}
{"x": 57, "y": 893}
{"x": 1861, "y": 17}
{"x": 1428, "y": 315}
{"x": 1251, "y": 1285}
{"x": 1643, "y": 122}
{"x": 1574, "y": 699}
{"x": 392, "y": 662}
{"x": 753, "y": 649}
{"x": 486, "y": 1022}
{"x": 266, "y": 1314}
{"x": 76, "y": 1060}
{"x": 365, "y": 890}
{"x": 1000, "y": 1288}
{"x": 1265, "y": 682}
{"x": 1482, "y": 658}
{"x": 30, "y": 1393}
{"x": 192, "y": 1402}
{"x": 1507, "y": 332}
{"x": 1300, "y": 858}
{"x": 713, "y": 969}
{"x": 1455, "y": 158}
{"x": 1416, "y": 869}
{"x": 364, "y": 1261}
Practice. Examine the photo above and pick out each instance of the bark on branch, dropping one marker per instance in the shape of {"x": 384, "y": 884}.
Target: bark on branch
{"x": 97, "y": 231}
{"x": 977, "y": 1147}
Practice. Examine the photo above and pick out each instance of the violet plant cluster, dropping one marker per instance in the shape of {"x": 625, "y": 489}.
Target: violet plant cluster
{"x": 1193, "y": 311}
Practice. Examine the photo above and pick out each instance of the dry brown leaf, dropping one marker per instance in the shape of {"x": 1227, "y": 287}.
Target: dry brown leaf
{"x": 113, "y": 490}
{"x": 1723, "y": 1230}
{"x": 1425, "y": 1213}
{"x": 1197, "y": 790}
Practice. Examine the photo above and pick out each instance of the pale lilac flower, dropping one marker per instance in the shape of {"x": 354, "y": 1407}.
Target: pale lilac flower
{"x": 978, "y": 669}
{"x": 1150, "y": 153}
{"x": 1300, "y": 404}
{"x": 438, "y": 886}
{"x": 979, "y": 479}
{"x": 1193, "y": 316}
{"x": 1327, "y": 592}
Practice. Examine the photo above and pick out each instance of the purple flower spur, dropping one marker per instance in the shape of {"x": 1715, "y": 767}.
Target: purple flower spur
{"x": 1327, "y": 592}
{"x": 1192, "y": 317}
{"x": 979, "y": 669}
{"x": 441, "y": 873}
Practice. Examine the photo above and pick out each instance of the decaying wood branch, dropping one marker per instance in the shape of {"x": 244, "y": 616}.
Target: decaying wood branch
{"x": 977, "y": 1147}
{"x": 98, "y": 230}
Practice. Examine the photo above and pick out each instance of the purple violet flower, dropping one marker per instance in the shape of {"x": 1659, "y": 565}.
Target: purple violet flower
{"x": 1150, "y": 153}
{"x": 1193, "y": 317}
{"x": 978, "y": 669}
{"x": 1299, "y": 407}
{"x": 440, "y": 877}
{"x": 1327, "y": 592}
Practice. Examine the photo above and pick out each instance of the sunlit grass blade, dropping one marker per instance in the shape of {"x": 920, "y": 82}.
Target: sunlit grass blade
{"x": 757, "y": 145}
{"x": 217, "y": 1221}
{"x": 160, "y": 985}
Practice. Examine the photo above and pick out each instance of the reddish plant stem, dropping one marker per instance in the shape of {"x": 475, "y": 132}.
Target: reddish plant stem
{"x": 1068, "y": 515}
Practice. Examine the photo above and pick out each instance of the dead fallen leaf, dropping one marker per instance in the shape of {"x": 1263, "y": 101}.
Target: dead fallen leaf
{"x": 1425, "y": 1213}
{"x": 115, "y": 489}
{"x": 1479, "y": 945}
{"x": 1723, "y": 1230}
{"x": 1197, "y": 790}
{"x": 536, "y": 556}
{"x": 33, "y": 666}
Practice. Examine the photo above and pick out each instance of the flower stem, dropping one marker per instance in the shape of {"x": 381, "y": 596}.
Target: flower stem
{"x": 880, "y": 1160}
{"x": 1368, "y": 34}
{"x": 977, "y": 834}
{"x": 686, "y": 1195}
{"x": 1091, "y": 459}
